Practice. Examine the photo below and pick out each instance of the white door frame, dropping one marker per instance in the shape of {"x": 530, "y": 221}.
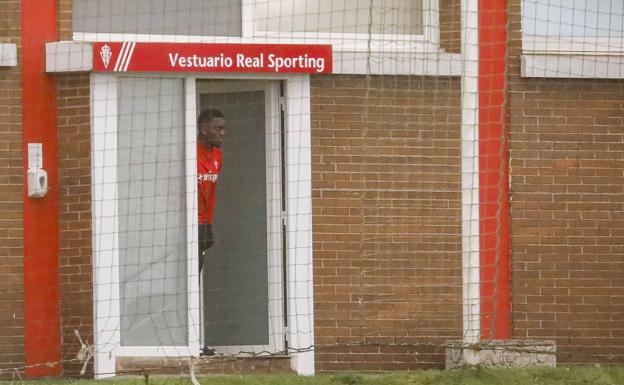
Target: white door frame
{"x": 298, "y": 218}
{"x": 274, "y": 209}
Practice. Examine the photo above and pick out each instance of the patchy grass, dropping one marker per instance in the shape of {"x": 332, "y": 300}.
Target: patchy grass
{"x": 473, "y": 376}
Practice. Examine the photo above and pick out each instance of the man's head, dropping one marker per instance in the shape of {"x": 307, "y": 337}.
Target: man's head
{"x": 211, "y": 128}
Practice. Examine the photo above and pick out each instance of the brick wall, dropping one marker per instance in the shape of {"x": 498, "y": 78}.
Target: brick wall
{"x": 76, "y": 284}
{"x": 450, "y": 25}
{"x": 11, "y": 190}
{"x": 64, "y": 10}
{"x": 567, "y": 209}
{"x": 386, "y": 220}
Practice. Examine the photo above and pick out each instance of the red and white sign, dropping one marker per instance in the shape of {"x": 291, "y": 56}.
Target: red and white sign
{"x": 178, "y": 57}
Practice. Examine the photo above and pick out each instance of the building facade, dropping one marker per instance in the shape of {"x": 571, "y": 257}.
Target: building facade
{"x": 458, "y": 175}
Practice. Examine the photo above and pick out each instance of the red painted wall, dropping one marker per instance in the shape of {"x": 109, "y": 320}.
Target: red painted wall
{"x": 42, "y": 330}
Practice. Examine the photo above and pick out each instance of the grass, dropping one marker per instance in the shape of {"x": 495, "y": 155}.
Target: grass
{"x": 473, "y": 376}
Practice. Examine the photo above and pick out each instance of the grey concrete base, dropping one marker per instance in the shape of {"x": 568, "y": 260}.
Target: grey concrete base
{"x": 510, "y": 353}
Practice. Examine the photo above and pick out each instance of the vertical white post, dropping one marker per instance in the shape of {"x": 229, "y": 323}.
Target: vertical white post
{"x": 194, "y": 298}
{"x": 105, "y": 221}
{"x": 299, "y": 224}
{"x": 470, "y": 169}
{"x": 247, "y": 12}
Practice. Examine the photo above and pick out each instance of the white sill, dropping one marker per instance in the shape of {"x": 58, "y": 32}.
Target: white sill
{"x": 572, "y": 57}
{"x": 572, "y": 66}
{"x": 8, "y": 55}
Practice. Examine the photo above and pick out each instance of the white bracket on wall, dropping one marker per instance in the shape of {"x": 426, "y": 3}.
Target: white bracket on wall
{"x": 8, "y": 55}
{"x": 69, "y": 56}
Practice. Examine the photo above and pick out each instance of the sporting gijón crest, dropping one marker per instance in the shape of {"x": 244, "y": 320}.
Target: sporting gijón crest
{"x": 113, "y": 56}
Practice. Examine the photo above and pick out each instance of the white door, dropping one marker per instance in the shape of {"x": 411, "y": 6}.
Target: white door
{"x": 143, "y": 189}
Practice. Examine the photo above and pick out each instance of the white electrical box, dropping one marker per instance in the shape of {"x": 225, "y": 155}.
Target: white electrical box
{"x": 37, "y": 177}
{"x": 37, "y": 182}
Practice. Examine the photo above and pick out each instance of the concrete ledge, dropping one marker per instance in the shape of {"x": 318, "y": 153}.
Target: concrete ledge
{"x": 69, "y": 56}
{"x": 572, "y": 66}
{"x": 511, "y": 354}
{"x": 8, "y": 55}
{"x": 202, "y": 365}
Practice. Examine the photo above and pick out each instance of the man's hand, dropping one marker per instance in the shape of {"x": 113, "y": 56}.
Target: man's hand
{"x": 206, "y": 240}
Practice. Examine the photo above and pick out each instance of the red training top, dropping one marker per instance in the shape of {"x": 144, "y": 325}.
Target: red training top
{"x": 208, "y": 167}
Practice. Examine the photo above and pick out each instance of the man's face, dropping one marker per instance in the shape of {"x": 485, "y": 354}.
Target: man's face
{"x": 213, "y": 132}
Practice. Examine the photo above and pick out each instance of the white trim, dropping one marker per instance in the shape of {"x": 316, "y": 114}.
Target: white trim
{"x": 8, "y": 55}
{"x": 431, "y": 21}
{"x": 247, "y": 16}
{"x": 299, "y": 224}
{"x": 194, "y": 307}
{"x": 274, "y": 219}
{"x": 470, "y": 171}
{"x": 572, "y": 57}
{"x": 572, "y": 66}
{"x": 105, "y": 241}
{"x": 599, "y": 46}
{"x": 274, "y": 204}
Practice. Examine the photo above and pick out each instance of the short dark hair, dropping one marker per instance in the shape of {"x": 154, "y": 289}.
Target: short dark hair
{"x": 207, "y": 115}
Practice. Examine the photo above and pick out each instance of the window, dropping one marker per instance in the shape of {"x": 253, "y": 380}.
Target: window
{"x": 573, "y": 38}
{"x": 158, "y": 17}
{"x": 573, "y": 18}
{"x": 398, "y": 17}
{"x": 349, "y": 25}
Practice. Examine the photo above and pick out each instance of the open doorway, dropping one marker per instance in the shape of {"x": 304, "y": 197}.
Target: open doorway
{"x": 243, "y": 276}
{"x": 143, "y": 168}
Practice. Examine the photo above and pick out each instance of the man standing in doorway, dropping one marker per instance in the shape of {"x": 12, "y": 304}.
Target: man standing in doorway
{"x": 210, "y": 134}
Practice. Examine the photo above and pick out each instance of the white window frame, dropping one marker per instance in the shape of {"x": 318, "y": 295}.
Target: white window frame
{"x": 428, "y": 42}
{"x": 573, "y": 45}
{"x": 356, "y": 42}
{"x": 588, "y": 57}
{"x": 298, "y": 218}
{"x": 572, "y": 57}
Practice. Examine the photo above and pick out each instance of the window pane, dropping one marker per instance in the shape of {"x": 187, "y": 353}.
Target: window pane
{"x": 404, "y": 17}
{"x": 161, "y": 17}
{"x": 152, "y": 212}
{"x": 579, "y": 18}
